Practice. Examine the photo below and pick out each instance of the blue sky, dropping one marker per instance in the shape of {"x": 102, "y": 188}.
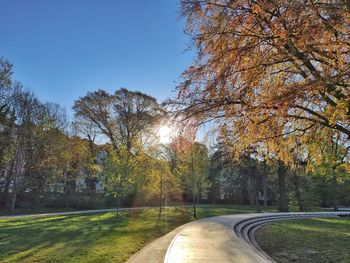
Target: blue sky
{"x": 63, "y": 48}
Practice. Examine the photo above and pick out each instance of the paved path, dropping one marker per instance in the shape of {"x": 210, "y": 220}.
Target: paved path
{"x": 155, "y": 251}
{"x": 212, "y": 240}
{"x": 206, "y": 240}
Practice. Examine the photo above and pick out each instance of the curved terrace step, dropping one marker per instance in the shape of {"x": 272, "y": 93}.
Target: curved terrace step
{"x": 246, "y": 228}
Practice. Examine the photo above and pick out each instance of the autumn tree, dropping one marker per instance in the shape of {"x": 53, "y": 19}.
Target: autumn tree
{"x": 88, "y": 131}
{"x": 271, "y": 67}
{"x": 30, "y": 136}
{"x": 75, "y": 160}
{"x": 25, "y": 107}
{"x": 159, "y": 182}
{"x": 266, "y": 70}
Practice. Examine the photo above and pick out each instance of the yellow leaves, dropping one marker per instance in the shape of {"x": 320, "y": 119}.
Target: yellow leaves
{"x": 338, "y": 114}
{"x": 94, "y": 168}
{"x": 277, "y": 59}
{"x": 158, "y": 180}
{"x": 256, "y": 9}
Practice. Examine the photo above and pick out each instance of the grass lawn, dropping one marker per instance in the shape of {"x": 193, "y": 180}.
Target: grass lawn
{"x": 307, "y": 240}
{"x": 93, "y": 238}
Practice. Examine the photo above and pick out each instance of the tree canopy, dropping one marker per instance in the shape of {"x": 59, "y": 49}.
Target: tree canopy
{"x": 126, "y": 118}
{"x": 267, "y": 69}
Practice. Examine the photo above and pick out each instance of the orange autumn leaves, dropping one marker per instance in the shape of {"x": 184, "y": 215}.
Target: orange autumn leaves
{"x": 268, "y": 69}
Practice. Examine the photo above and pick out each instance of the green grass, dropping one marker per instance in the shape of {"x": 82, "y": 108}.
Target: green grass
{"x": 307, "y": 240}
{"x": 93, "y": 238}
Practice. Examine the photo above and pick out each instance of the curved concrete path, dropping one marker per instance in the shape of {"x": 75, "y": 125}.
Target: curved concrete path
{"x": 214, "y": 240}
{"x": 155, "y": 251}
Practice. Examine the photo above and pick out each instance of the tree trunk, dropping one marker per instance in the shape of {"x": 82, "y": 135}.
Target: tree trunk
{"x": 265, "y": 191}
{"x": 6, "y": 190}
{"x": 13, "y": 201}
{"x": 5, "y": 195}
{"x": 335, "y": 190}
{"x": 160, "y": 205}
{"x": 298, "y": 194}
{"x": 91, "y": 184}
{"x": 255, "y": 191}
{"x": 257, "y": 203}
{"x": 240, "y": 196}
{"x": 160, "y": 196}
{"x": 18, "y": 169}
{"x": 160, "y": 209}
{"x": 194, "y": 207}
{"x": 281, "y": 171}
{"x": 250, "y": 192}
{"x": 118, "y": 202}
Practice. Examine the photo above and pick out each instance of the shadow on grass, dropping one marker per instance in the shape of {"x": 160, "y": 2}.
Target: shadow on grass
{"x": 78, "y": 235}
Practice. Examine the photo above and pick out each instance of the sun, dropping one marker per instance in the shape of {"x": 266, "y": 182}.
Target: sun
{"x": 164, "y": 133}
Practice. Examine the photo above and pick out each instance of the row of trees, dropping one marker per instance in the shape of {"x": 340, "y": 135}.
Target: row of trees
{"x": 42, "y": 152}
{"x": 135, "y": 162}
{"x": 37, "y": 154}
{"x": 249, "y": 179}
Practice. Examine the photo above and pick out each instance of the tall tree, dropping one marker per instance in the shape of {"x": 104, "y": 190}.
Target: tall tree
{"x": 126, "y": 118}
{"x": 333, "y": 152}
{"x": 87, "y": 130}
{"x": 195, "y": 163}
{"x": 159, "y": 183}
{"x": 267, "y": 71}
{"x": 119, "y": 172}
{"x": 274, "y": 67}
{"x": 30, "y": 144}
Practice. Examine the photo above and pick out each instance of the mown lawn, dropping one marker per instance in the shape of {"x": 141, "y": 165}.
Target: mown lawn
{"x": 307, "y": 240}
{"x": 93, "y": 238}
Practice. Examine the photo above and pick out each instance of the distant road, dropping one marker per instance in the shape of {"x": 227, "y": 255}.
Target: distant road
{"x": 96, "y": 211}
{"x": 339, "y": 209}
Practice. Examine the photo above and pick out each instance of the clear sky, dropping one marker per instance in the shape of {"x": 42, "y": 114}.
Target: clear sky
{"x": 61, "y": 49}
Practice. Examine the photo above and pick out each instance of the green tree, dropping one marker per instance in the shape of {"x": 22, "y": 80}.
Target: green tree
{"x": 119, "y": 172}
{"x": 195, "y": 163}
